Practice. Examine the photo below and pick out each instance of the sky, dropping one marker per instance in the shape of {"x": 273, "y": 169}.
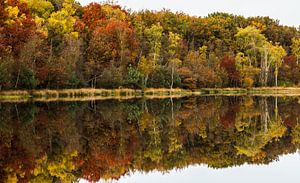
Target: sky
{"x": 286, "y": 11}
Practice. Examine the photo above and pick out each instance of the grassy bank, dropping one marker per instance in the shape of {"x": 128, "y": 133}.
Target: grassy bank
{"x": 101, "y": 94}
{"x": 260, "y": 91}
{"x": 89, "y": 94}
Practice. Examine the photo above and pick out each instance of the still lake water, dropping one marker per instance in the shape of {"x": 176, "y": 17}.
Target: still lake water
{"x": 191, "y": 139}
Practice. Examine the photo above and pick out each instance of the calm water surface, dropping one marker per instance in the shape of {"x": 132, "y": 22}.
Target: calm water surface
{"x": 192, "y": 139}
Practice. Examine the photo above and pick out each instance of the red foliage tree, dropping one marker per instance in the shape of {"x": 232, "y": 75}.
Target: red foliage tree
{"x": 14, "y": 35}
{"x": 228, "y": 119}
{"x": 115, "y": 43}
{"x": 229, "y": 65}
{"x": 93, "y": 16}
{"x": 290, "y": 71}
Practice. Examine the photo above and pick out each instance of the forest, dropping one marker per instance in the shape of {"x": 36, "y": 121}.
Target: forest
{"x": 104, "y": 140}
{"x": 57, "y": 44}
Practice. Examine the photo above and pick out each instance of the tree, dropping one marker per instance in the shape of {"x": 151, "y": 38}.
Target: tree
{"x": 174, "y": 64}
{"x": 277, "y": 55}
{"x": 202, "y": 68}
{"x": 188, "y": 80}
{"x": 112, "y": 77}
{"x": 41, "y": 8}
{"x": 290, "y": 71}
{"x": 41, "y": 11}
{"x": 229, "y": 64}
{"x": 114, "y": 43}
{"x": 250, "y": 41}
{"x": 134, "y": 78}
{"x": 26, "y": 66}
{"x": 272, "y": 57}
{"x": 93, "y": 16}
{"x": 62, "y": 22}
{"x": 63, "y": 71}
{"x": 17, "y": 27}
{"x": 154, "y": 36}
{"x": 252, "y": 142}
{"x": 174, "y": 51}
{"x": 59, "y": 166}
{"x": 248, "y": 72}
{"x": 114, "y": 12}
{"x": 5, "y": 73}
{"x": 253, "y": 43}
{"x": 146, "y": 67}
{"x": 296, "y": 48}
{"x": 186, "y": 51}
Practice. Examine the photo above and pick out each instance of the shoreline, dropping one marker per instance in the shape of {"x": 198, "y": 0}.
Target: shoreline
{"x": 253, "y": 91}
{"x": 85, "y": 94}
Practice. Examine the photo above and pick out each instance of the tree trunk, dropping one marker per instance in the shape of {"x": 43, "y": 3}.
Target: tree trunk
{"x": 154, "y": 56}
{"x": 172, "y": 108}
{"x": 264, "y": 68}
{"x": 18, "y": 76}
{"x": 172, "y": 78}
{"x": 276, "y": 76}
{"x": 276, "y": 80}
{"x": 276, "y": 108}
{"x": 265, "y": 113}
{"x": 145, "y": 82}
{"x": 92, "y": 83}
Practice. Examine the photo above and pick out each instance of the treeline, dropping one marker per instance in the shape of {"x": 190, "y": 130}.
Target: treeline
{"x": 61, "y": 44}
{"x": 104, "y": 140}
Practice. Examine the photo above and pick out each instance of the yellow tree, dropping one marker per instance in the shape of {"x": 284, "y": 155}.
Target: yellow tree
{"x": 247, "y": 71}
{"x": 62, "y": 22}
{"x": 276, "y": 57}
{"x": 41, "y": 10}
{"x": 154, "y": 36}
{"x": 250, "y": 40}
{"x": 296, "y": 48}
{"x": 146, "y": 67}
{"x": 174, "y": 49}
{"x": 60, "y": 166}
{"x": 255, "y": 46}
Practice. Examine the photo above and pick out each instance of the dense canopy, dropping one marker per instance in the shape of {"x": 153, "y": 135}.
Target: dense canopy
{"x": 61, "y": 44}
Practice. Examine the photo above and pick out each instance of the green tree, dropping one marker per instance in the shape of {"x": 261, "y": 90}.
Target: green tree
{"x": 134, "y": 77}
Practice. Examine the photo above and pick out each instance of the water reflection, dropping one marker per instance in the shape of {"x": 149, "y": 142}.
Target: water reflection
{"x": 284, "y": 170}
{"x": 63, "y": 142}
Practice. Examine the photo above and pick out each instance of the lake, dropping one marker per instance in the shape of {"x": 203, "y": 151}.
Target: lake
{"x": 192, "y": 139}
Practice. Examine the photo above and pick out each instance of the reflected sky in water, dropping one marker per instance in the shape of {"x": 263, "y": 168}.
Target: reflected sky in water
{"x": 284, "y": 170}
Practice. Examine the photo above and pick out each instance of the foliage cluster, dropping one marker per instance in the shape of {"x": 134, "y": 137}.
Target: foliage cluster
{"x": 61, "y": 44}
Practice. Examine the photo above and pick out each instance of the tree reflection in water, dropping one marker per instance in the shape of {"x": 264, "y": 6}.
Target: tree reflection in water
{"x": 64, "y": 141}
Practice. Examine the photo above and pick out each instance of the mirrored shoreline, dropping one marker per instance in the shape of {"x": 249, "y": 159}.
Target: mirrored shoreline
{"x": 104, "y": 140}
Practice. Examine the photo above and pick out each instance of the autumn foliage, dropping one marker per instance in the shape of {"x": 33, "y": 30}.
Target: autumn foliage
{"x": 228, "y": 63}
{"x": 61, "y": 44}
